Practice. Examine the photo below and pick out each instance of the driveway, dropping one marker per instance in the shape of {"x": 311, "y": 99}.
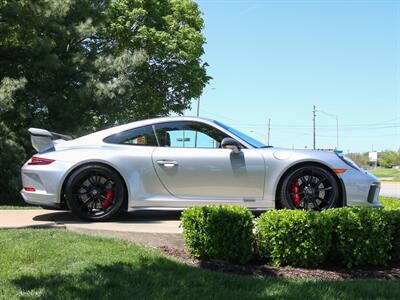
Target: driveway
{"x": 151, "y": 228}
{"x": 390, "y": 190}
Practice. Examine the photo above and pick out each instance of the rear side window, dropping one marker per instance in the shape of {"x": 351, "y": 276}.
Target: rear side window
{"x": 143, "y": 136}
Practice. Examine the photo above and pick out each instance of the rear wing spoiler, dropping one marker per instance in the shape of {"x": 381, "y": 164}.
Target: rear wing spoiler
{"x": 43, "y": 140}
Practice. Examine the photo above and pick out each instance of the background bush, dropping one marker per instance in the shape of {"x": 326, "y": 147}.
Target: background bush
{"x": 361, "y": 236}
{"x": 294, "y": 238}
{"x": 220, "y": 232}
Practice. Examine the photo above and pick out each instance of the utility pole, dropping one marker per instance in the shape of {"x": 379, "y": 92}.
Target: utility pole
{"x": 269, "y": 132}
{"x": 314, "y": 116}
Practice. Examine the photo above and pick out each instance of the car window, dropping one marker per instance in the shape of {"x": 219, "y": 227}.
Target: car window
{"x": 188, "y": 135}
{"x": 142, "y": 136}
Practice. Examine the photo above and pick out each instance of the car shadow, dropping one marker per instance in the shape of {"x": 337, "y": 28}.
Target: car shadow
{"x": 132, "y": 217}
{"x": 142, "y": 216}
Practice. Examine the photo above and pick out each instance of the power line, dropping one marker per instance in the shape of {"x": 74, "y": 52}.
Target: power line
{"x": 383, "y": 125}
{"x": 314, "y": 118}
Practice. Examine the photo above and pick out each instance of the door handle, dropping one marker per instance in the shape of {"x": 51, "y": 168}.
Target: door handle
{"x": 167, "y": 163}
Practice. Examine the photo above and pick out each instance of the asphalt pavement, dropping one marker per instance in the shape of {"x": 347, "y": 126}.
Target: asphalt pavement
{"x": 390, "y": 190}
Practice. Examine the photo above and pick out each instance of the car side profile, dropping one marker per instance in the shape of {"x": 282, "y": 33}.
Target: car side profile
{"x": 179, "y": 162}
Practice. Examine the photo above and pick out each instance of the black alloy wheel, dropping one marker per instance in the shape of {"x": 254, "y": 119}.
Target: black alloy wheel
{"x": 95, "y": 193}
{"x": 309, "y": 188}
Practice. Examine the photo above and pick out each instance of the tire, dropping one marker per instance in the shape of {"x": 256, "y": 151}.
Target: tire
{"x": 309, "y": 187}
{"x": 95, "y": 193}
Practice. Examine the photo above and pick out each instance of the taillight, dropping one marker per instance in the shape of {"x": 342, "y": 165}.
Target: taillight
{"x": 39, "y": 161}
{"x": 29, "y": 189}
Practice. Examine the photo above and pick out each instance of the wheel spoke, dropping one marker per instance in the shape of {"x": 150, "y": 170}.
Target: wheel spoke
{"x": 320, "y": 181}
{"x": 324, "y": 189}
{"x": 314, "y": 202}
{"x": 91, "y": 181}
{"x": 81, "y": 193}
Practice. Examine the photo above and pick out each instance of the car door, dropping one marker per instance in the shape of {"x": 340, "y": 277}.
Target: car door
{"x": 191, "y": 164}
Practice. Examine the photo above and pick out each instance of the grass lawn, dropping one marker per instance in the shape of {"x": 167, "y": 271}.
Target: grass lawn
{"x": 56, "y": 264}
{"x": 18, "y": 207}
{"x": 390, "y": 203}
{"x": 382, "y": 173}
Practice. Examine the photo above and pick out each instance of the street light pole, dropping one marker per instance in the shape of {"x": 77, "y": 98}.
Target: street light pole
{"x": 198, "y": 106}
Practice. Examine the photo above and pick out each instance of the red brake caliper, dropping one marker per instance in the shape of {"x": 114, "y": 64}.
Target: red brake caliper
{"x": 295, "y": 193}
{"x": 109, "y": 199}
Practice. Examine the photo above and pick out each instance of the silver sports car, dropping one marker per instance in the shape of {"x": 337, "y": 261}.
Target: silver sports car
{"x": 178, "y": 162}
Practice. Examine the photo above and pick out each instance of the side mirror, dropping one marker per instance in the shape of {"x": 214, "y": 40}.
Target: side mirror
{"x": 229, "y": 143}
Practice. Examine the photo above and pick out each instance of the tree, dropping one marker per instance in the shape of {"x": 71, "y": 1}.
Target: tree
{"x": 389, "y": 159}
{"x": 90, "y": 64}
{"x": 361, "y": 159}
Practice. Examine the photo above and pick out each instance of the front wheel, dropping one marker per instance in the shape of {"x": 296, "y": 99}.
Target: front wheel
{"x": 309, "y": 188}
{"x": 95, "y": 193}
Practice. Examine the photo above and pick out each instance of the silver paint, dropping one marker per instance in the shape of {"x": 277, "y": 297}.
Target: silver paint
{"x": 182, "y": 177}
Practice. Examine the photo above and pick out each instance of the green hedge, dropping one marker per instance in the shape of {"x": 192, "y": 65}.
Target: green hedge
{"x": 361, "y": 236}
{"x": 346, "y": 236}
{"x": 294, "y": 237}
{"x": 393, "y": 217}
{"x": 220, "y": 232}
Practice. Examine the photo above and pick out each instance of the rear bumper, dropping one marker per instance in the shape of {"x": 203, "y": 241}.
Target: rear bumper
{"x": 41, "y": 199}
{"x": 42, "y": 184}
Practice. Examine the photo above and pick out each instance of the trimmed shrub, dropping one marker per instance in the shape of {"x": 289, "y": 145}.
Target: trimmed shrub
{"x": 361, "y": 236}
{"x": 393, "y": 217}
{"x": 219, "y": 232}
{"x": 294, "y": 238}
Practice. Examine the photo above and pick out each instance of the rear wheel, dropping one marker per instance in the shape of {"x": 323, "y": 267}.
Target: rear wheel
{"x": 309, "y": 188}
{"x": 95, "y": 193}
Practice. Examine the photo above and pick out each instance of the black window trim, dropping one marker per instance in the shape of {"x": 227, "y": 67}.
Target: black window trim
{"x": 227, "y": 133}
{"x": 130, "y": 145}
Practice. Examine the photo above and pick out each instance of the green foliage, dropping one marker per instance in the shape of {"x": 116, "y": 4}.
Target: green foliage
{"x": 294, "y": 238}
{"x": 389, "y": 159}
{"x": 347, "y": 236}
{"x": 361, "y": 236}
{"x": 77, "y": 66}
{"x": 11, "y": 151}
{"x": 221, "y": 232}
{"x": 390, "y": 203}
{"x": 393, "y": 217}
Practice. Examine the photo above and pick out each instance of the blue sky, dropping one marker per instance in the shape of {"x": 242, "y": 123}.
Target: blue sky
{"x": 276, "y": 59}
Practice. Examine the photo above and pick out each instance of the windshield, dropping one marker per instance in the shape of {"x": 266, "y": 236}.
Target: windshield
{"x": 241, "y": 135}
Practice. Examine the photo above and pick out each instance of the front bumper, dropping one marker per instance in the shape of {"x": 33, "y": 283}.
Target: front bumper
{"x": 362, "y": 188}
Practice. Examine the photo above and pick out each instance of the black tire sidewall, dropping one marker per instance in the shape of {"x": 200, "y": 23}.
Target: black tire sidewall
{"x": 83, "y": 171}
{"x": 283, "y": 199}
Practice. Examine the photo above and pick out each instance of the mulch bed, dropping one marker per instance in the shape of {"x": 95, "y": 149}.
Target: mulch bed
{"x": 390, "y": 272}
